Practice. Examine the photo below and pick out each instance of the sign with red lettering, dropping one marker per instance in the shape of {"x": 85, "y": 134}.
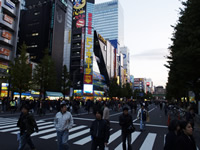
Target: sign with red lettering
{"x": 88, "y": 79}
{"x": 4, "y": 51}
{"x": 6, "y": 35}
{"x": 80, "y": 23}
{"x": 8, "y": 19}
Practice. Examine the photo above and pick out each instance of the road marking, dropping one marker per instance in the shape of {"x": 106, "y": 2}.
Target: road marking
{"x": 72, "y": 136}
{"x": 44, "y": 131}
{"x": 149, "y": 141}
{"x": 2, "y": 124}
{"x": 115, "y": 114}
{"x": 114, "y": 136}
{"x": 85, "y": 140}
{"x": 148, "y": 111}
{"x": 133, "y": 137}
{"x": 55, "y": 134}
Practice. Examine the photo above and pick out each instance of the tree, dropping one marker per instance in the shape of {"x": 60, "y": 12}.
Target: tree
{"x": 183, "y": 61}
{"x": 20, "y": 72}
{"x": 114, "y": 88}
{"x": 65, "y": 80}
{"x": 44, "y": 75}
{"x": 126, "y": 91}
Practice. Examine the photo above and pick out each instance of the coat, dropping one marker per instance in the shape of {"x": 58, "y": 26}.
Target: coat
{"x": 125, "y": 121}
{"x": 27, "y": 124}
{"x": 100, "y": 130}
{"x": 185, "y": 142}
{"x": 170, "y": 141}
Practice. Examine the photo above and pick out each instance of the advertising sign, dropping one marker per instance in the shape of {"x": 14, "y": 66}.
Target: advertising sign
{"x": 10, "y": 4}
{"x": 148, "y": 84}
{"x": 4, "y": 51}
{"x": 88, "y": 63}
{"x": 79, "y": 13}
{"x": 82, "y": 49}
{"x": 88, "y": 89}
{"x": 4, "y": 89}
{"x": 102, "y": 39}
{"x": 77, "y": 92}
{"x": 3, "y": 65}
{"x": 8, "y": 19}
{"x": 6, "y": 35}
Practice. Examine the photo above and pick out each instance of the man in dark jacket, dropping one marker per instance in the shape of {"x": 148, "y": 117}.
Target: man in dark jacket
{"x": 125, "y": 121}
{"x": 99, "y": 131}
{"x": 27, "y": 125}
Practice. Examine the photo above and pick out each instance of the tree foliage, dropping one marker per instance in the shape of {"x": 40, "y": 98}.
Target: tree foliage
{"x": 183, "y": 61}
{"x": 66, "y": 83}
{"x": 20, "y": 72}
{"x": 44, "y": 75}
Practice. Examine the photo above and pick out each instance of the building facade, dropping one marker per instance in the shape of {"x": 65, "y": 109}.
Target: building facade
{"x": 9, "y": 22}
{"x": 47, "y": 25}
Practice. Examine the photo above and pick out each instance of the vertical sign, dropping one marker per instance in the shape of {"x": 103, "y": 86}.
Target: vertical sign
{"x": 89, "y": 40}
{"x": 82, "y": 49}
{"x": 79, "y": 13}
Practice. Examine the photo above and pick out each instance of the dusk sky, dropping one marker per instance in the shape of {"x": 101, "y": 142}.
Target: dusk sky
{"x": 147, "y": 27}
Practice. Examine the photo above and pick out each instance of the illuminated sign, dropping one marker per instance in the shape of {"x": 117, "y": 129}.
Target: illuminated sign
{"x": 10, "y": 4}
{"x": 4, "y": 89}
{"x": 4, "y": 51}
{"x": 78, "y": 4}
{"x": 3, "y": 65}
{"x": 80, "y": 23}
{"x": 98, "y": 93}
{"x": 6, "y": 35}
{"x": 78, "y": 92}
{"x": 102, "y": 39}
{"x": 88, "y": 65}
{"x": 82, "y": 49}
{"x": 88, "y": 89}
{"x": 148, "y": 84}
{"x": 8, "y": 19}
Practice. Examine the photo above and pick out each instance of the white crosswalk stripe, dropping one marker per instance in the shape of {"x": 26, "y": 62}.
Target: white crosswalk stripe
{"x": 133, "y": 138}
{"x": 148, "y": 142}
{"x": 80, "y": 134}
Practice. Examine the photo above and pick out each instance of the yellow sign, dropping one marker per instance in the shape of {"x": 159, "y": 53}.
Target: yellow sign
{"x": 88, "y": 54}
{"x": 78, "y": 4}
{"x": 102, "y": 39}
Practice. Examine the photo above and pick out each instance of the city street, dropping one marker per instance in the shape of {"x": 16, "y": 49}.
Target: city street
{"x": 79, "y": 138}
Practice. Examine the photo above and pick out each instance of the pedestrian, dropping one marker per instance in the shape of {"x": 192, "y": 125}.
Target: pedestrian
{"x": 172, "y": 135}
{"x": 186, "y": 141}
{"x": 106, "y": 113}
{"x": 142, "y": 115}
{"x": 27, "y": 125}
{"x": 63, "y": 122}
{"x": 99, "y": 131}
{"x": 166, "y": 108}
{"x": 12, "y": 106}
{"x": 125, "y": 121}
{"x": 190, "y": 115}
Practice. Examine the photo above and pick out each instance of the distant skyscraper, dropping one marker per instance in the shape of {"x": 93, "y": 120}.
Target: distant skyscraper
{"x": 109, "y": 21}
{"x": 126, "y": 61}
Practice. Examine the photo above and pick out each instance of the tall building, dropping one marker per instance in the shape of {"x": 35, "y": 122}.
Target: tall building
{"x": 92, "y": 56}
{"x": 126, "y": 62}
{"x": 109, "y": 21}
{"x": 148, "y": 86}
{"x": 9, "y": 22}
{"x": 46, "y": 24}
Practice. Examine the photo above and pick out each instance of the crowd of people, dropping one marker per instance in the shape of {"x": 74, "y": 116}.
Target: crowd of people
{"x": 179, "y": 137}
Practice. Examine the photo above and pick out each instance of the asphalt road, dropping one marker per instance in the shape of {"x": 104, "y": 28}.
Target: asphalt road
{"x": 151, "y": 139}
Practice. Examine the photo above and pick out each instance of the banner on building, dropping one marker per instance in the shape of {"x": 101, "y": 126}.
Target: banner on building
{"x": 6, "y": 35}
{"x": 4, "y": 51}
{"x": 8, "y": 19}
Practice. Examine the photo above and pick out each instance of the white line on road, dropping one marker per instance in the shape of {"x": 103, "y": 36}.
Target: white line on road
{"x": 133, "y": 136}
{"x": 72, "y": 136}
{"x": 149, "y": 141}
{"x": 114, "y": 136}
{"x": 55, "y": 134}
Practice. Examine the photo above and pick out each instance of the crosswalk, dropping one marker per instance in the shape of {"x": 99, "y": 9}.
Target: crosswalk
{"x": 79, "y": 134}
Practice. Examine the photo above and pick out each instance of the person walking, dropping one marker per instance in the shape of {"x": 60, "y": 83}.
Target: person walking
{"x": 106, "y": 113}
{"x": 99, "y": 131}
{"x": 172, "y": 135}
{"x": 142, "y": 115}
{"x": 63, "y": 122}
{"x": 27, "y": 125}
{"x": 186, "y": 141}
{"x": 12, "y": 106}
{"x": 125, "y": 121}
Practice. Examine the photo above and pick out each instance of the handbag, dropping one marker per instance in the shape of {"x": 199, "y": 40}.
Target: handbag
{"x": 131, "y": 128}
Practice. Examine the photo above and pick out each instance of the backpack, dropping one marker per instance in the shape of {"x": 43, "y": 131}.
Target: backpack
{"x": 144, "y": 115}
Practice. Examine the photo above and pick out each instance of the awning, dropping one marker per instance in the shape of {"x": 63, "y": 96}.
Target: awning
{"x": 54, "y": 94}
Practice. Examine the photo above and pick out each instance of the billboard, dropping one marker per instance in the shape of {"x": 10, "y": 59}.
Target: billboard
{"x": 79, "y": 13}
{"x": 6, "y": 35}
{"x": 4, "y": 89}
{"x": 88, "y": 89}
{"x": 82, "y": 49}
{"x": 8, "y": 19}
{"x": 10, "y": 4}
{"x": 4, "y": 51}
{"x": 89, "y": 40}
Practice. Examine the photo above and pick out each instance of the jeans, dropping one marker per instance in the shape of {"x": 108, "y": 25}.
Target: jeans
{"x": 96, "y": 143}
{"x": 62, "y": 137}
{"x": 142, "y": 125}
{"x": 128, "y": 137}
{"x": 25, "y": 138}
